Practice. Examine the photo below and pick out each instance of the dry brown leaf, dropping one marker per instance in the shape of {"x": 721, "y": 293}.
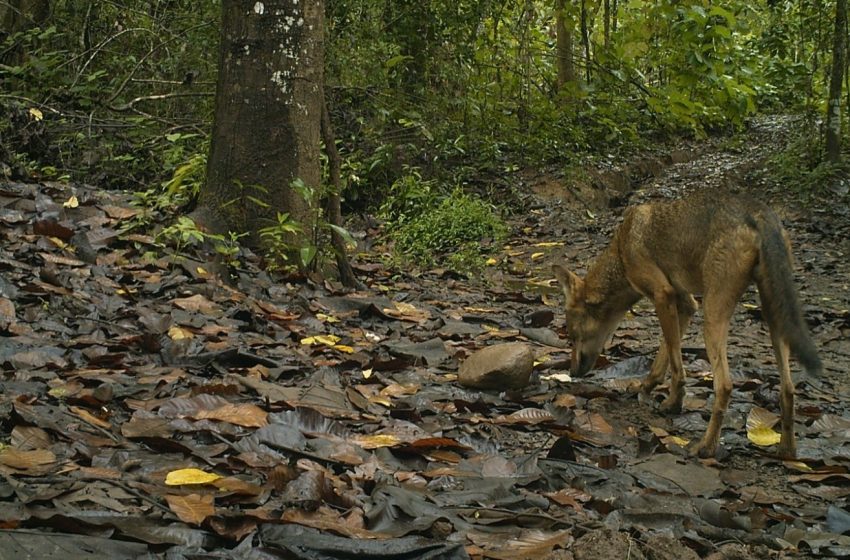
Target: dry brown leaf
{"x": 407, "y": 312}
{"x": 7, "y": 313}
{"x": 247, "y": 415}
{"x": 593, "y": 422}
{"x": 194, "y": 508}
{"x": 329, "y": 520}
{"x": 565, "y": 400}
{"x": 526, "y": 416}
{"x": 27, "y": 438}
{"x": 37, "y": 461}
{"x": 238, "y": 486}
{"x": 198, "y": 304}
{"x": 87, "y": 416}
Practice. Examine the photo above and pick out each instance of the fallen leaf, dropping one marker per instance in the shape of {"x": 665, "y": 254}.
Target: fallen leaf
{"x": 189, "y": 476}
{"x": 193, "y": 508}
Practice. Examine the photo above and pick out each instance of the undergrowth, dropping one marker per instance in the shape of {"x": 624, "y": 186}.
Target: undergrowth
{"x": 455, "y": 230}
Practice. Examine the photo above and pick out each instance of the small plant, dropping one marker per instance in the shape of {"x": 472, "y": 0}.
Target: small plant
{"x": 278, "y": 240}
{"x": 182, "y": 234}
{"x": 178, "y": 191}
{"x": 455, "y": 232}
{"x": 407, "y": 196}
{"x": 185, "y": 233}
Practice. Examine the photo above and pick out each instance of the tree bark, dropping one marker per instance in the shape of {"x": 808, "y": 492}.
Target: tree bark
{"x": 268, "y": 113}
{"x": 839, "y": 54}
{"x": 564, "y": 45}
{"x": 585, "y": 38}
{"x": 606, "y": 31}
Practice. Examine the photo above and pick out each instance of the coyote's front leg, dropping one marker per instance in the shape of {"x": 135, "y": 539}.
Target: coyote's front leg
{"x": 686, "y": 306}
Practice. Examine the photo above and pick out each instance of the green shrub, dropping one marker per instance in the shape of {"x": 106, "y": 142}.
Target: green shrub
{"x": 456, "y": 232}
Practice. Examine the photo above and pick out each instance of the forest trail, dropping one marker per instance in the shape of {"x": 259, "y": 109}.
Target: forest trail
{"x": 319, "y": 413}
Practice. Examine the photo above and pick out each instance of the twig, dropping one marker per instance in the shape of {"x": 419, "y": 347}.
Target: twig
{"x": 131, "y": 104}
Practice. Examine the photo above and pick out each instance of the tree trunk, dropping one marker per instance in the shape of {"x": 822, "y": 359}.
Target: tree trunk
{"x": 268, "y": 113}
{"x": 606, "y": 31}
{"x": 614, "y": 9}
{"x": 585, "y": 39}
{"x": 334, "y": 206}
{"x": 839, "y": 53}
{"x": 564, "y": 45}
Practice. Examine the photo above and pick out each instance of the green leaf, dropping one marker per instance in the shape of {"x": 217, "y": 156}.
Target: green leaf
{"x": 307, "y": 253}
{"x": 396, "y": 60}
{"x": 345, "y": 234}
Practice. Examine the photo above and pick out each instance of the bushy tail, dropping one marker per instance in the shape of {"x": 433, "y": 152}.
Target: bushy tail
{"x": 780, "y": 304}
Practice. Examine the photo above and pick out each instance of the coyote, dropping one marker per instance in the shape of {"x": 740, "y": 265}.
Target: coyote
{"x": 710, "y": 244}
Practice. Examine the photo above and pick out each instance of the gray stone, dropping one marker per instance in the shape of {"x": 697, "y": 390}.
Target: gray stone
{"x": 503, "y": 366}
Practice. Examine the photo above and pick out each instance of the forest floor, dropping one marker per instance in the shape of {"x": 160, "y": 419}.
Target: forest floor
{"x": 322, "y": 423}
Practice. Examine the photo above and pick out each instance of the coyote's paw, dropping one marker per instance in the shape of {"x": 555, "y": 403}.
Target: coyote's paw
{"x": 787, "y": 449}
{"x": 708, "y": 450}
{"x": 672, "y": 404}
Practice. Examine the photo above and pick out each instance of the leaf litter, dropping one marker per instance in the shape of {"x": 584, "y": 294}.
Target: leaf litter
{"x": 180, "y": 414}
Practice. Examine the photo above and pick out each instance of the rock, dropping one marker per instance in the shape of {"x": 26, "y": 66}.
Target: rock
{"x": 502, "y": 366}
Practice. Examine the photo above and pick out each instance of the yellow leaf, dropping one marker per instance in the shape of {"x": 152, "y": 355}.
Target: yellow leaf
{"x": 58, "y": 242}
{"x": 326, "y": 339}
{"x": 71, "y": 202}
{"x": 326, "y": 318}
{"x": 535, "y": 256}
{"x": 58, "y": 392}
{"x": 681, "y": 442}
{"x": 190, "y": 476}
{"x": 760, "y": 424}
{"x": 550, "y": 244}
{"x": 201, "y": 271}
{"x": 179, "y": 333}
{"x": 375, "y": 441}
{"x": 480, "y": 309}
{"x": 36, "y": 114}
{"x": 491, "y": 261}
{"x": 344, "y": 348}
{"x": 763, "y": 436}
{"x": 367, "y": 373}
{"x": 381, "y": 400}
{"x": 541, "y": 360}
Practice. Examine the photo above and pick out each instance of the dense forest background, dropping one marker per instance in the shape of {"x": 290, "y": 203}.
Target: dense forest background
{"x": 425, "y": 97}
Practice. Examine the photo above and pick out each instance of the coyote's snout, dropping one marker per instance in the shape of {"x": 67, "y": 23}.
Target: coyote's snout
{"x": 709, "y": 244}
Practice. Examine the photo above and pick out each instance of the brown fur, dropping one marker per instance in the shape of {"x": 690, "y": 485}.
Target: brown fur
{"x": 709, "y": 244}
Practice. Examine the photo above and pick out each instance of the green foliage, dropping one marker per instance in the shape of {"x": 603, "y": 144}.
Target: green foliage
{"x": 115, "y": 81}
{"x": 184, "y": 234}
{"x": 424, "y": 93}
{"x": 174, "y": 193}
{"x": 278, "y": 240}
{"x": 801, "y": 165}
{"x": 407, "y": 196}
{"x": 456, "y": 231}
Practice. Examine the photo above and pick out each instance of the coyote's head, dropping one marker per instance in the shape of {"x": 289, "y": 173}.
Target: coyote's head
{"x": 589, "y": 320}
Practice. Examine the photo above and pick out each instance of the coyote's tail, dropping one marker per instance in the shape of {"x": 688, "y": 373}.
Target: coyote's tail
{"x": 780, "y": 304}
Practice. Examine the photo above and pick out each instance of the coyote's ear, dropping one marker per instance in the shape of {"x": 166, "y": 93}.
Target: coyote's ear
{"x": 570, "y": 283}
